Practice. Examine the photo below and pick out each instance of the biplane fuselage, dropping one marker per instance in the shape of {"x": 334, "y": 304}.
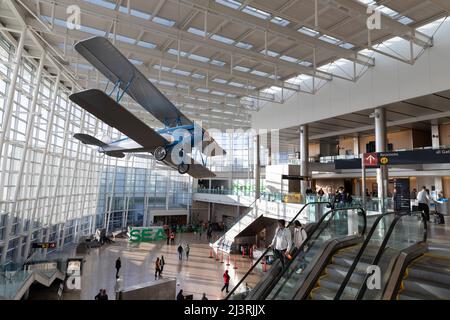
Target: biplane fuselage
{"x": 185, "y": 134}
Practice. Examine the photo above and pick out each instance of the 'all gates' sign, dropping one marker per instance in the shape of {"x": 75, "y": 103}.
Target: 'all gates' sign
{"x": 146, "y": 234}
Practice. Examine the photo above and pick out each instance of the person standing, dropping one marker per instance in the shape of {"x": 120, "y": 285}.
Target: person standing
{"x": 424, "y": 201}
{"x": 103, "y": 296}
{"x": 200, "y": 230}
{"x": 320, "y": 193}
{"x": 99, "y": 295}
{"x": 204, "y": 297}
{"x": 118, "y": 266}
{"x": 172, "y": 237}
{"x": 299, "y": 237}
{"x": 187, "y": 249}
{"x": 157, "y": 268}
{"x": 162, "y": 263}
{"x": 226, "y": 281}
{"x": 180, "y": 295}
{"x": 281, "y": 242}
{"x": 180, "y": 252}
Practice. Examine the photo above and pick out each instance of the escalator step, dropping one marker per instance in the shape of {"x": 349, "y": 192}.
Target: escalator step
{"x": 410, "y": 295}
{"x": 429, "y": 274}
{"x": 434, "y": 290}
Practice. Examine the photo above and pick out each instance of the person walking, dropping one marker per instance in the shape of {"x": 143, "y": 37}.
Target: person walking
{"x": 187, "y": 249}
{"x": 200, "y": 230}
{"x": 168, "y": 235}
{"x": 157, "y": 268}
{"x": 424, "y": 201}
{"x": 180, "y": 252}
{"x": 118, "y": 266}
{"x": 172, "y": 237}
{"x": 162, "y": 264}
{"x": 281, "y": 242}
{"x": 180, "y": 295}
{"x": 226, "y": 281}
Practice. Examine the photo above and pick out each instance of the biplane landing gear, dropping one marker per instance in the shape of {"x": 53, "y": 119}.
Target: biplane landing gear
{"x": 183, "y": 168}
{"x": 160, "y": 153}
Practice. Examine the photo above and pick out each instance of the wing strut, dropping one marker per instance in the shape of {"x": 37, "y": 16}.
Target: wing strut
{"x": 119, "y": 94}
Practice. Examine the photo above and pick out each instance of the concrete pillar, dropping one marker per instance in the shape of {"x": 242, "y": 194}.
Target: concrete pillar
{"x": 304, "y": 157}
{"x": 356, "y": 150}
{"x": 380, "y": 146}
{"x": 257, "y": 169}
{"x": 436, "y": 144}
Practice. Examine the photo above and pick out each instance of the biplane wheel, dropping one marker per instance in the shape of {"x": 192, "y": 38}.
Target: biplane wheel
{"x": 160, "y": 153}
{"x": 183, "y": 168}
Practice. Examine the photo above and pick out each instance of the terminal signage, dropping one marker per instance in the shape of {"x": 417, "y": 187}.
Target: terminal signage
{"x": 294, "y": 177}
{"x": 374, "y": 160}
{"x": 371, "y": 160}
{"x": 426, "y": 156}
{"x": 44, "y": 245}
{"x": 146, "y": 234}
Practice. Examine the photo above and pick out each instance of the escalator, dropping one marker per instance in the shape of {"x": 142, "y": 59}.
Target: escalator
{"x": 388, "y": 250}
{"x": 338, "y": 228}
{"x": 342, "y": 278}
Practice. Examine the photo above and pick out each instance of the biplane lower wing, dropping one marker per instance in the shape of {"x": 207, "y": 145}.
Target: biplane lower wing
{"x": 196, "y": 170}
{"x": 113, "y": 114}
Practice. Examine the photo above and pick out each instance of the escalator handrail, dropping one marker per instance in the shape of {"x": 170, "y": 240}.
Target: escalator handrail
{"x": 334, "y": 210}
{"x": 386, "y": 239}
{"x": 268, "y": 249}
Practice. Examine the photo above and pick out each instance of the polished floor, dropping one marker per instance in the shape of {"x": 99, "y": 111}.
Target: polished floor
{"x": 200, "y": 274}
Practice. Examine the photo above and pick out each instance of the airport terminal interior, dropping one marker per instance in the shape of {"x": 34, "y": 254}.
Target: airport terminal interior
{"x": 224, "y": 150}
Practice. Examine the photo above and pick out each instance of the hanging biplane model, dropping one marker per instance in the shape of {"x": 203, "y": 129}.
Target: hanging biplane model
{"x": 170, "y": 145}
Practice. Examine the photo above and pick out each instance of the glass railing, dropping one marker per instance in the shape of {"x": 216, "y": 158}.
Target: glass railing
{"x": 254, "y": 285}
{"x": 365, "y": 258}
{"x": 340, "y": 223}
{"x": 11, "y": 282}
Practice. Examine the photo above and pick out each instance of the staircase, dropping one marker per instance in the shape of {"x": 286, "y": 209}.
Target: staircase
{"x": 268, "y": 209}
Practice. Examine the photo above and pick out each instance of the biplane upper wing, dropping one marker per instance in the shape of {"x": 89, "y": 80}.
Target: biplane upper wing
{"x": 106, "y": 58}
{"x": 113, "y": 114}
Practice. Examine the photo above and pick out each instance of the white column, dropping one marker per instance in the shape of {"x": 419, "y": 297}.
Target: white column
{"x": 356, "y": 150}
{"x": 436, "y": 144}
{"x": 380, "y": 146}
{"x": 304, "y": 157}
{"x": 257, "y": 169}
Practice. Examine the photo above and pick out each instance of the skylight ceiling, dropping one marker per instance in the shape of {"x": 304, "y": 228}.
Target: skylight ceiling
{"x": 240, "y": 52}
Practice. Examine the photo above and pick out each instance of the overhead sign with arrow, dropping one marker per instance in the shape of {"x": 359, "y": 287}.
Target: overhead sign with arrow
{"x": 371, "y": 160}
